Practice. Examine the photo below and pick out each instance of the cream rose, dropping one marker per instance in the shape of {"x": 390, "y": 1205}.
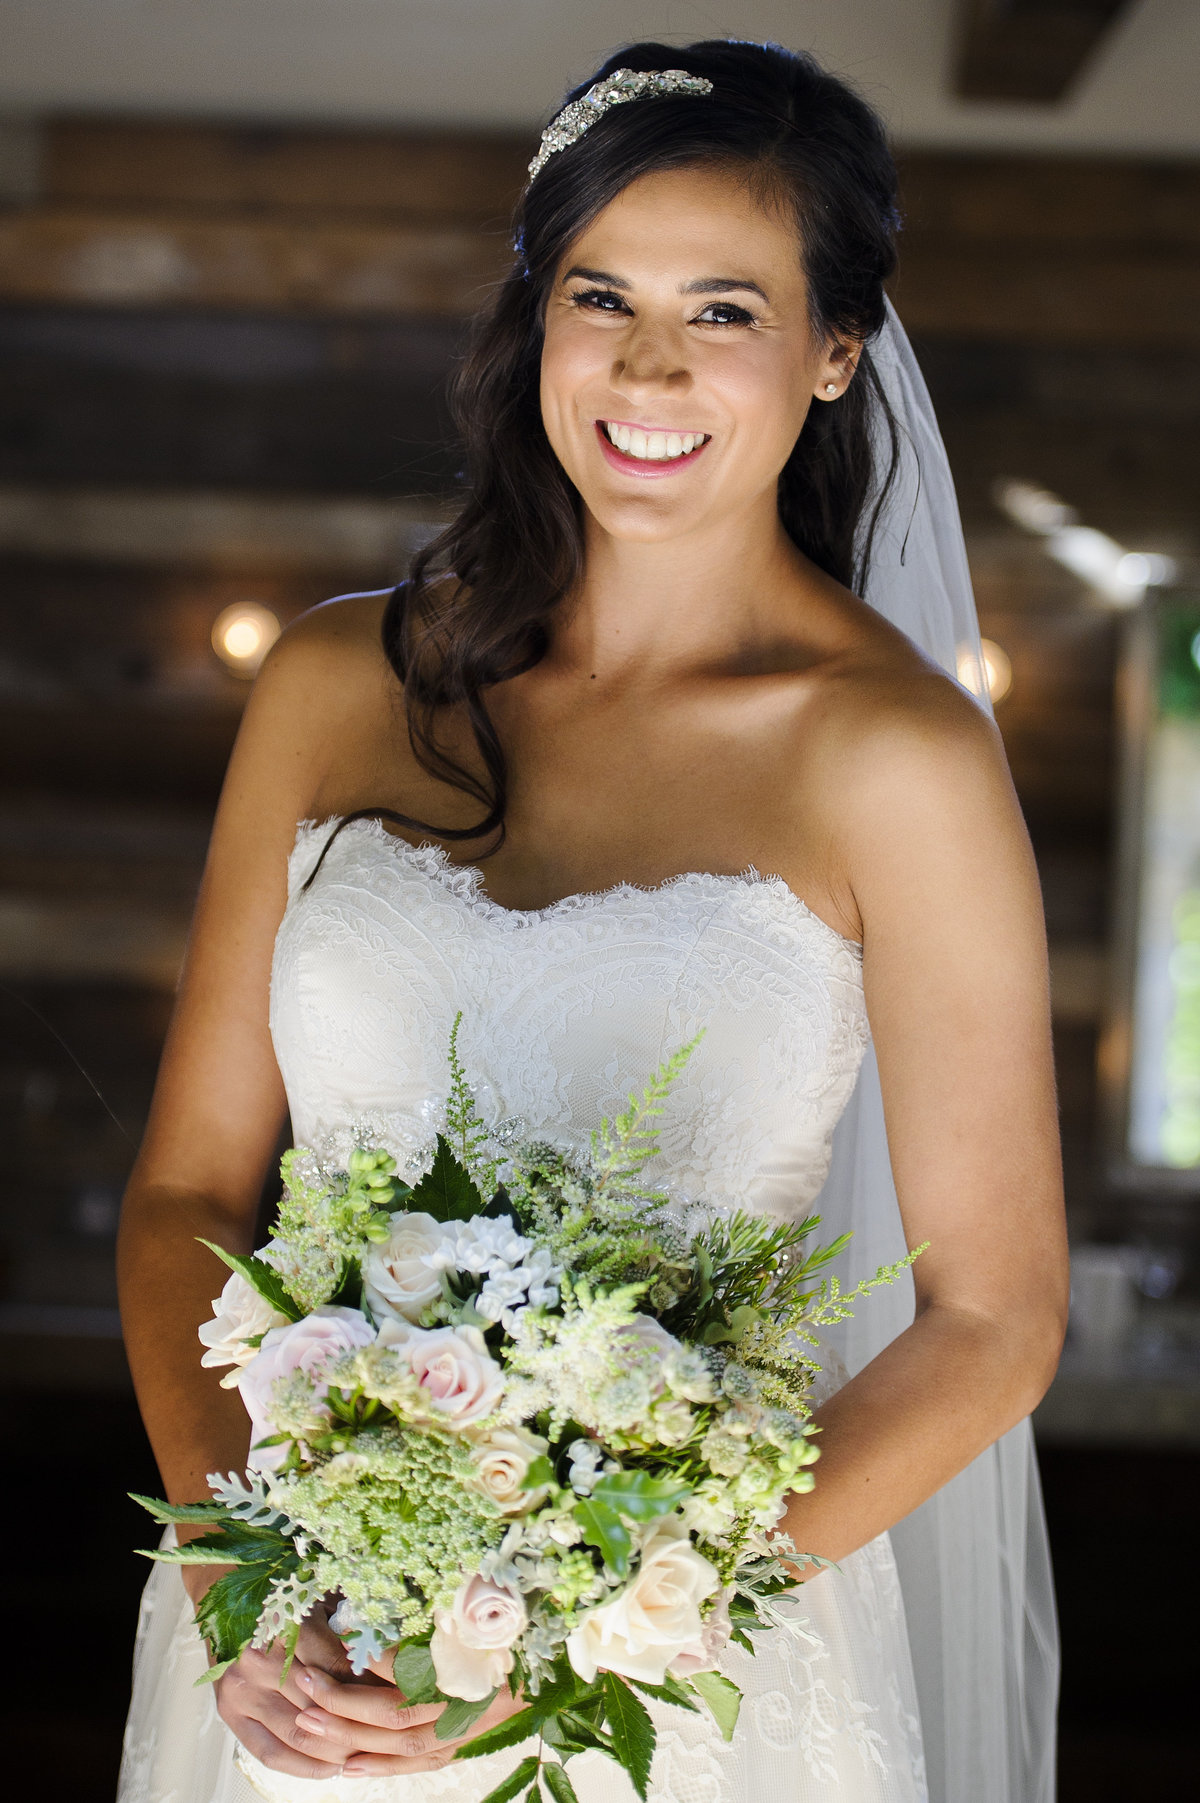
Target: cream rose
{"x": 399, "y": 1277}
{"x": 473, "y": 1639}
{"x": 702, "y": 1655}
{"x": 463, "y": 1382}
{"x": 500, "y": 1462}
{"x": 655, "y": 1618}
{"x": 239, "y": 1314}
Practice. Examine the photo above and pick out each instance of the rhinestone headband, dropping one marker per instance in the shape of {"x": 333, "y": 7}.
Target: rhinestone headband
{"x": 614, "y": 90}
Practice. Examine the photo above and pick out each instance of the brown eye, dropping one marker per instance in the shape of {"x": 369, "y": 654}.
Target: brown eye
{"x": 723, "y": 313}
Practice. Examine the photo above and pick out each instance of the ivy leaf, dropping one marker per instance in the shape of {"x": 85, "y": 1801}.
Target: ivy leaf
{"x": 516, "y": 1780}
{"x": 508, "y": 1733}
{"x": 632, "y": 1731}
{"x": 260, "y": 1277}
{"x": 412, "y": 1668}
{"x": 461, "y": 1714}
{"x": 723, "y": 1697}
{"x": 603, "y": 1528}
{"x": 558, "y": 1783}
{"x": 448, "y": 1191}
{"x": 638, "y": 1495}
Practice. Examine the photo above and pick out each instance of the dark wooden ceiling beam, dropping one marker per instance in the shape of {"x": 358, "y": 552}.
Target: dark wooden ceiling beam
{"x": 1031, "y": 50}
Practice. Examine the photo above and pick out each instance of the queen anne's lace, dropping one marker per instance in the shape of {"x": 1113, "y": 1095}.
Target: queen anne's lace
{"x": 564, "y": 1011}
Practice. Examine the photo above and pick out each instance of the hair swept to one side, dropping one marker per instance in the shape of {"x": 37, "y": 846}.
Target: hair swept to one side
{"x": 516, "y": 546}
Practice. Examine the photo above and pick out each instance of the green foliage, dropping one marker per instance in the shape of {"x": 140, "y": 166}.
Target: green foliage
{"x": 447, "y": 1191}
{"x": 638, "y": 1495}
{"x": 460, "y": 1715}
{"x": 603, "y": 1528}
{"x": 509, "y": 1733}
{"x": 558, "y": 1783}
{"x": 230, "y": 1608}
{"x": 669, "y": 1691}
{"x": 516, "y": 1781}
{"x": 194, "y": 1514}
{"x": 631, "y": 1729}
{"x": 622, "y": 1147}
{"x": 260, "y": 1277}
{"x": 467, "y": 1133}
{"x": 412, "y": 1669}
{"x": 723, "y": 1697}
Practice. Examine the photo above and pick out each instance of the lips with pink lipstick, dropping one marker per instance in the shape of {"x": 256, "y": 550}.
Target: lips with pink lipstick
{"x": 648, "y": 450}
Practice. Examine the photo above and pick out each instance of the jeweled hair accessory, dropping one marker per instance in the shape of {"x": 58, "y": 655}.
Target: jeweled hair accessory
{"x": 569, "y": 126}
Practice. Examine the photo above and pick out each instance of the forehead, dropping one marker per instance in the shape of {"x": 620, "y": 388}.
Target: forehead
{"x": 686, "y": 222}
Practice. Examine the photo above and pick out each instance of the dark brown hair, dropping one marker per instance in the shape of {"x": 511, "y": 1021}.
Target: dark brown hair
{"x": 515, "y": 550}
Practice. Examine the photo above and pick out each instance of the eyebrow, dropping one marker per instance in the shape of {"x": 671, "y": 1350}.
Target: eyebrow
{"x": 710, "y": 284}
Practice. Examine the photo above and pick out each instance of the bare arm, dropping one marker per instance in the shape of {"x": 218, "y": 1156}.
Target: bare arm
{"x": 940, "y": 869}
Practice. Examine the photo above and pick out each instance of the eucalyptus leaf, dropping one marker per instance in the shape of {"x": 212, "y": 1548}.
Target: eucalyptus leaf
{"x": 412, "y": 1669}
{"x": 460, "y": 1714}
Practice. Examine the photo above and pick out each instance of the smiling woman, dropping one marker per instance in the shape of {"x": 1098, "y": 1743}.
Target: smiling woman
{"x": 694, "y": 623}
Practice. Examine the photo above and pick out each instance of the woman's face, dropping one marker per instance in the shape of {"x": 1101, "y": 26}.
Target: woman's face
{"x": 679, "y": 363}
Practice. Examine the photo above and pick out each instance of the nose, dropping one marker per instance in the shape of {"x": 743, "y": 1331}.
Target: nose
{"x": 652, "y": 361}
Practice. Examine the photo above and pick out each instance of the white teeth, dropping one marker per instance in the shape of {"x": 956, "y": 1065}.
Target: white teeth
{"x": 652, "y": 447}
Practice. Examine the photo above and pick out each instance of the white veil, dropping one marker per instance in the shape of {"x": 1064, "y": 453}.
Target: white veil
{"x": 974, "y": 1562}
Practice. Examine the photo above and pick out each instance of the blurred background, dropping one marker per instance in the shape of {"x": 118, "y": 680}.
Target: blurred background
{"x": 238, "y": 242}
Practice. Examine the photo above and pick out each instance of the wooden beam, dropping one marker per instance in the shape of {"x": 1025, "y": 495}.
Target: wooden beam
{"x": 124, "y": 258}
{"x": 432, "y": 176}
{"x": 1031, "y": 50}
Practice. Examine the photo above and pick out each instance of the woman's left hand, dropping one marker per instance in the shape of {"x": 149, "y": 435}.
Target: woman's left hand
{"x": 382, "y": 1736}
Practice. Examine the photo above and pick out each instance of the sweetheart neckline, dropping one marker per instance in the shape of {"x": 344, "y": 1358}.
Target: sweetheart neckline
{"x": 469, "y": 885}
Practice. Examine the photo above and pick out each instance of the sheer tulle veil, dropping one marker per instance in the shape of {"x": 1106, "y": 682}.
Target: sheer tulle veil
{"x": 974, "y": 1562}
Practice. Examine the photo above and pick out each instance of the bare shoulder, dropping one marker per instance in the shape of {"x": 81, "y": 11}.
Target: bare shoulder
{"x": 894, "y": 730}
{"x": 328, "y": 652}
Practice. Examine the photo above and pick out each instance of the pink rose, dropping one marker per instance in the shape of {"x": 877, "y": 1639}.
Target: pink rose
{"x": 463, "y": 1382}
{"x": 473, "y": 1639}
{"x": 304, "y": 1346}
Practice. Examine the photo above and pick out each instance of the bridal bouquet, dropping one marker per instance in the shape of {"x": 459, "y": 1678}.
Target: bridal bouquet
{"x": 529, "y": 1427}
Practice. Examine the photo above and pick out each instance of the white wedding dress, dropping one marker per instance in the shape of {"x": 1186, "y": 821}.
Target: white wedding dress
{"x": 565, "y": 1010}
{"x": 930, "y": 1673}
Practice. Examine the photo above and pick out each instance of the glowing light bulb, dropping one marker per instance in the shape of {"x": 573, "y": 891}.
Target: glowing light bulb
{"x": 997, "y": 669}
{"x": 243, "y": 634}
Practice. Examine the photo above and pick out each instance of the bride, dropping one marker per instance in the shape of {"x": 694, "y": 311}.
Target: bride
{"x": 696, "y": 616}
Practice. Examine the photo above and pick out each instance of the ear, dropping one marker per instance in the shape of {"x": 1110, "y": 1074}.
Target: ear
{"x": 837, "y": 370}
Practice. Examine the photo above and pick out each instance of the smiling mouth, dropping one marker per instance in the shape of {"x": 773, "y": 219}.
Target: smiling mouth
{"x": 651, "y": 447}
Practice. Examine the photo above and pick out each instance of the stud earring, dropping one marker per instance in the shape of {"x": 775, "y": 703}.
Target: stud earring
{"x": 831, "y": 387}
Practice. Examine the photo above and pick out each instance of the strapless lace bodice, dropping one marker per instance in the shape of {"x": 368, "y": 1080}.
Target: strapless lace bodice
{"x": 566, "y": 1009}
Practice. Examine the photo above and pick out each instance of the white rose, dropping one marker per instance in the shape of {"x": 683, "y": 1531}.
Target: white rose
{"x": 655, "y": 1618}
{"x": 702, "y": 1654}
{"x": 463, "y": 1382}
{"x": 239, "y": 1314}
{"x": 501, "y": 1462}
{"x": 473, "y": 1639}
{"x": 400, "y": 1277}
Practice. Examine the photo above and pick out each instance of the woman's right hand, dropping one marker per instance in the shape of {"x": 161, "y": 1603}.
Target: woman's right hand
{"x": 262, "y": 1713}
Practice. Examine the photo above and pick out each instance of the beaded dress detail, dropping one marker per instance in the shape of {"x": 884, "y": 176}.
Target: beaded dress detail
{"x": 566, "y": 1009}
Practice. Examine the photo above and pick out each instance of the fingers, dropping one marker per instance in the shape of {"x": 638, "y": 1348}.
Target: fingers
{"x": 379, "y": 1705}
{"x": 250, "y": 1702}
{"x": 361, "y": 1737}
{"x": 375, "y": 1765}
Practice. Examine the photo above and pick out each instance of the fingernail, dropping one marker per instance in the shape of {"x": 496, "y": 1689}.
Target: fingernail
{"x": 305, "y": 1678}
{"x": 312, "y": 1723}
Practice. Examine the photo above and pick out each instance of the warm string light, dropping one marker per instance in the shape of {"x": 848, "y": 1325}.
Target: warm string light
{"x": 243, "y": 634}
{"x": 991, "y": 668}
